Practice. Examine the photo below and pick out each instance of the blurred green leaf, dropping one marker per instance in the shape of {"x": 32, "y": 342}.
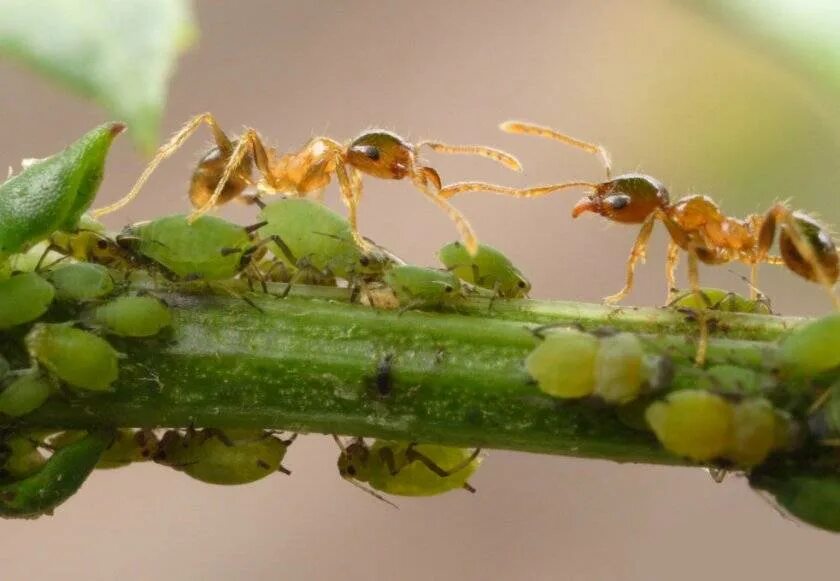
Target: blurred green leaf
{"x": 806, "y": 33}
{"x": 120, "y": 53}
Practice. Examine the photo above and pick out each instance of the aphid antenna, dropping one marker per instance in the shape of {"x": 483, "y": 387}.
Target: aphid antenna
{"x": 360, "y": 486}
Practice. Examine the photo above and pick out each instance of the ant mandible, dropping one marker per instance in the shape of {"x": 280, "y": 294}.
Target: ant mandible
{"x": 224, "y": 172}
{"x": 695, "y": 223}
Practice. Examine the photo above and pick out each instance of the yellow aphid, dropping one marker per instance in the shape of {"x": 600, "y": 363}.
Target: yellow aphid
{"x": 564, "y": 363}
{"x": 692, "y": 423}
{"x": 619, "y": 368}
{"x": 753, "y": 432}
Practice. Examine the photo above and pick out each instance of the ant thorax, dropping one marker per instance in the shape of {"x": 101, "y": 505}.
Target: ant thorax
{"x": 701, "y": 218}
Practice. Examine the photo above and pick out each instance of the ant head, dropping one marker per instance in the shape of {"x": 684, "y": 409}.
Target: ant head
{"x": 628, "y": 198}
{"x": 353, "y": 461}
{"x": 821, "y": 244}
{"x": 381, "y": 154}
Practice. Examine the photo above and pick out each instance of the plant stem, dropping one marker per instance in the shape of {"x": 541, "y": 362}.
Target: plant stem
{"x": 307, "y": 363}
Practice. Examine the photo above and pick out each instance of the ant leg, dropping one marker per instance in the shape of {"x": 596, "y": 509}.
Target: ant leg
{"x": 423, "y": 182}
{"x": 245, "y": 144}
{"x": 636, "y": 253}
{"x": 166, "y": 150}
{"x": 461, "y": 187}
{"x": 524, "y": 128}
{"x": 350, "y": 195}
{"x": 497, "y": 155}
{"x": 694, "y": 280}
{"x": 671, "y": 262}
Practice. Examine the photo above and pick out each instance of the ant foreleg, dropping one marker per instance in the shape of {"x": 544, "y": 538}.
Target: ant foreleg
{"x": 637, "y": 253}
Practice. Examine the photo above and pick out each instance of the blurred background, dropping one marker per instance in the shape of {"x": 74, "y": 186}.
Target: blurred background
{"x": 669, "y": 91}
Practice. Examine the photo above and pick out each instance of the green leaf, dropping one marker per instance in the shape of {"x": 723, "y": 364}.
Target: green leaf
{"x": 802, "y": 32}
{"x": 117, "y": 52}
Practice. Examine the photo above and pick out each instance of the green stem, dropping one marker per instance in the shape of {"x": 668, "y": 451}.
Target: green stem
{"x": 308, "y": 362}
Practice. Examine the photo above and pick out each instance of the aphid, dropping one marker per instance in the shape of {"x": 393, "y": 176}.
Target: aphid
{"x": 754, "y": 432}
{"x": 720, "y": 300}
{"x": 133, "y": 316}
{"x": 408, "y": 469}
{"x": 418, "y": 287}
{"x": 383, "y": 380}
{"x": 53, "y": 193}
{"x": 811, "y": 348}
{"x": 811, "y": 498}
{"x": 229, "y": 457}
{"x": 208, "y": 249}
{"x": 24, "y": 298}
{"x": 81, "y": 281}
{"x": 692, "y": 423}
{"x": 56, "y": 481}
{"x": 20, "y": 456}
{"x": 90, "y": 244}
{"x": 571, "y": 364}
{"x": 25, "y": 394}
{"x": 313, "y": 239}
{"x": 695, "y": 223}
{"x": 127, "y": 446}
{"x": 77, "y": 357}
{"x": 224, "y": 172}
{"x": 488, "y": 269}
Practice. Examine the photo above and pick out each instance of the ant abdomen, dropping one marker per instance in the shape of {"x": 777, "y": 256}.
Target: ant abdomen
{"x": 820, "y": 243}
{"x": 209, "y": 172}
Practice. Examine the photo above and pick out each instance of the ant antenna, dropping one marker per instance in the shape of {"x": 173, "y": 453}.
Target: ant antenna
{"x": 525, "y": 128}
{"x": 497, "y": 155}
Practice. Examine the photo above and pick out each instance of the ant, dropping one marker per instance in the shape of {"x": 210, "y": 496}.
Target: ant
{"x": 695, "y": 223}
{"x": 224, "y": 172}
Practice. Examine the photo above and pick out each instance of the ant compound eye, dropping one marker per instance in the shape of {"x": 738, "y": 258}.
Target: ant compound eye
{"x": 371, "y": 151}
{"x": 617, "y": 202}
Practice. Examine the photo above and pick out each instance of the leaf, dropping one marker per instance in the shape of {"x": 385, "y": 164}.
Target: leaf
{"x": 52, "y": 194}
{"x": 117, "y": 52}
{"x": 805, "y": 33}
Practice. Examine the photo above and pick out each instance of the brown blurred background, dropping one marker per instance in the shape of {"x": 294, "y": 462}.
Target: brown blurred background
{"x": 667, "y": 91}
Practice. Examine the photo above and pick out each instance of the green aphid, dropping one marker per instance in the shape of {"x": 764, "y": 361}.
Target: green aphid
{"x": 406, "y": 469}
{"x": 127, "y": 446}
{"x": 20, "y": 457}
{"x": 489, "y": 269}
{"x": 693, "y": 423}
{"x": 208, "y": 249}
{"x": 25, "y": 394}
{"x": 24, "y": 298}
{"x": 810, "y": 498}
{"x": 811, "y": 348}
{"x": 563, "y": 364}
{"x": 620, "y": 371}
{"x": 424, "y": 288}
{"x": 753, "y": 432}
{"x": 77, "y": 357}
{"x": 53, "y": 193}
{"x": 60, "y": 478}
{"x": 315, "y": 237}
{"x": 731, "y": 380}
{"x": 230, "y": 457}
{"x": 134, "y": 316}
{"x": 720, "y": 300}
{"x": 81, "y": 281}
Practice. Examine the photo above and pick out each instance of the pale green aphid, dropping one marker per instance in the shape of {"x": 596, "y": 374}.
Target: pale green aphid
{"x": 620, "y": 370}
{"x": 77, "y": 357}
{"x": 25, "y": 394}
{"x": 317, "y": 238}
{"x": 489, "y": 269}
{"x": 208, "y": 249}
{"x": 420, "y": 287}
{"x": 811, "y": 349}
{"x": 754, "y": 432}
{"x": 135, "y": 316}
{"x": 81, "y": 281}
{"x": 232, "y": 457}
{"x": 127, "y": 446}
{"x": 563, "y": 364}
{"x": 408, "y": 469}
{"x": 814, "y": 499}
{"x": 731, "y": 379}
{"x": 24, "y": 298}
{"x": 693, "y": 423}
{"x": 19, "y": 457}
{"x": 720, "y": 300}
{"x": 53, "y": 193}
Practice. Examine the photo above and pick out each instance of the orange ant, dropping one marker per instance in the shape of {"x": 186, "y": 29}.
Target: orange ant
{"x": 224, "y": 172}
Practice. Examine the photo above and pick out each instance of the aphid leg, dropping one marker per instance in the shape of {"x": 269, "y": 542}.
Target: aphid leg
{"x": 166, "y": 150}
{"x": 497, "y": 155}
{"x": 47, "y": 250}
{"x": 702, "y": 319}
{"x": 424, "y": 181}
{"x": 247, "y": 143}
{"x": 637, "y": 253}
{"x": 456, "y": 188}
{"x": 525, "y": 128}
{"x": 671, "y": 261}
{"x": 411, "y": 454}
